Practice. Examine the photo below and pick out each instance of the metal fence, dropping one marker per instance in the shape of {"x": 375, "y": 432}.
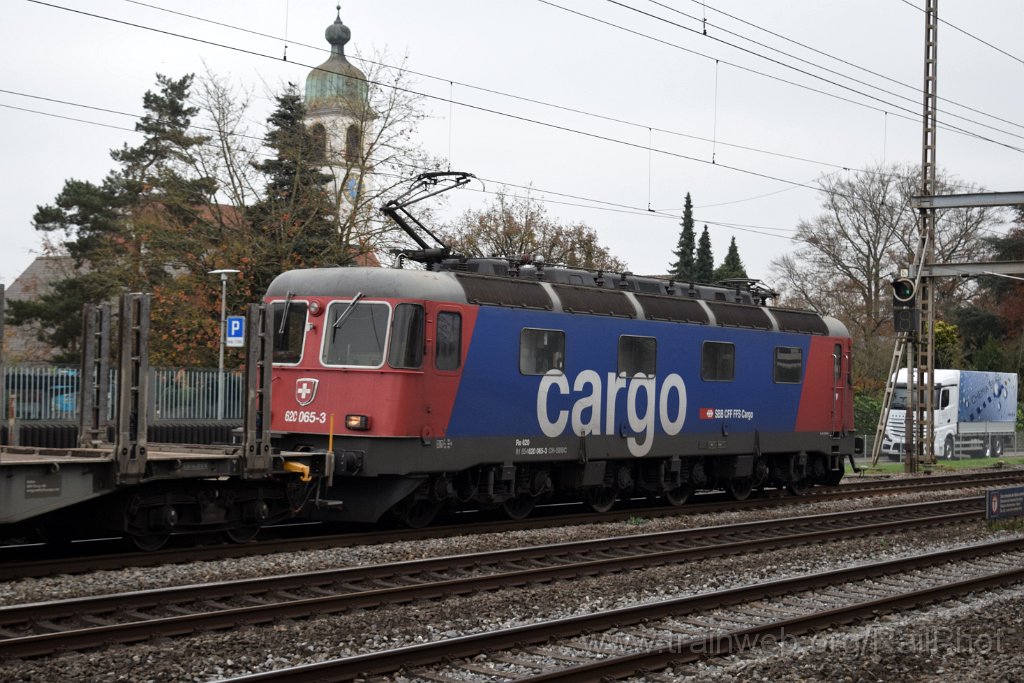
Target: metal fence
{"x": 50, "y": 392}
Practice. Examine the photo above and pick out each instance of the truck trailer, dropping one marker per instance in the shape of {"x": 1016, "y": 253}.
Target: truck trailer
{"x": 975, "y": 413}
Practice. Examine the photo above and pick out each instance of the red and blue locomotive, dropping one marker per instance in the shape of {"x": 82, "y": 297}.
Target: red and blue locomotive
{"x": 480, "y": 382}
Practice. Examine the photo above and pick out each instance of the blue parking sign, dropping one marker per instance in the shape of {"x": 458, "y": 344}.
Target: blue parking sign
{"x": 235, "y": 333}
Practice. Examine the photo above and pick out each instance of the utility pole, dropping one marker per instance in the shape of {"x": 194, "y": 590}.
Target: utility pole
{"x": 922, "y": 390}
{"x": 223, "y": 272}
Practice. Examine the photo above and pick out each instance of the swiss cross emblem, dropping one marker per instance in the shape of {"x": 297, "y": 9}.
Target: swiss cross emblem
{"x": 305, "y": 390}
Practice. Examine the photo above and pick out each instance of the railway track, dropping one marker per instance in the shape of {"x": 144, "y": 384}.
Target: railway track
{"x": 650, "y": 637}
{"x": 42, "y": 561}
{"x": 40, "y": 629}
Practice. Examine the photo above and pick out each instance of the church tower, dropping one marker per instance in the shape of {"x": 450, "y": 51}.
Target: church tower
{"x": 339, "y": 115}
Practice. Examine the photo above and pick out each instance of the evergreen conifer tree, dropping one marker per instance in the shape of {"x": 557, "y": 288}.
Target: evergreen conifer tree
{"x": 294, "y": 223}
{"x": 732, "y": 265}
{"x": 683, "y": 268}
{"x": 117, "y": 232}
{"x": 704, "y": 266}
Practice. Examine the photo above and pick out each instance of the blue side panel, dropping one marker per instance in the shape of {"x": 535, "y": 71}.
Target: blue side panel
{"x": 495, "y": 399}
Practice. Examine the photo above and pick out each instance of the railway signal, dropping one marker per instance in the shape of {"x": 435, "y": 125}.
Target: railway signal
{"x": 905, "y": 313}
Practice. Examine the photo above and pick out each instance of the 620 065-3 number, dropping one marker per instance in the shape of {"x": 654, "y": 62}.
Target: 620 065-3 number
{"x": 305, "y": 417}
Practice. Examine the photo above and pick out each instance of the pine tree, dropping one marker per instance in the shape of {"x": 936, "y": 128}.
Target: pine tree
{"x": 732, "y": 265}
{"x": 123, "y": 233}
{"x": 294, "y": 223}
{"x": 683, "y": 268}
{"x": 704, "y": 266}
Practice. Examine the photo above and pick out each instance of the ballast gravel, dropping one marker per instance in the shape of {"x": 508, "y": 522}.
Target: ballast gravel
{"x": 63, "y": 587}
{"x": 218, "y": 655}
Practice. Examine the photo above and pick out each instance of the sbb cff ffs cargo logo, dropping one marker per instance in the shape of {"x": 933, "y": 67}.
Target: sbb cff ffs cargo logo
{"x": 305, "y": 390}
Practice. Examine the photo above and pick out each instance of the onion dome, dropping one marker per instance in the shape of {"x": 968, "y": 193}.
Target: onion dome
{"x": 335, "y": 84}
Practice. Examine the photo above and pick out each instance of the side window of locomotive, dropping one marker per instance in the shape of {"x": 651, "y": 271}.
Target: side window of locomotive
{"x": 448, "y": 354}
{"x": 355, "y": 333}
{"x": 541, "y": 351}
{"x": 290, "y": 331}
{"x": 637, "y": 355}
{"x": 406, "y": 337}
{"x": 789, "y": 361}
{"x": 718, "y": 362}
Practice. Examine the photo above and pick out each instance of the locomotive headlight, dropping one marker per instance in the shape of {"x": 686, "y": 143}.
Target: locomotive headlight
{"x": 359, "y": 423}
{"x": 315, "y": 308}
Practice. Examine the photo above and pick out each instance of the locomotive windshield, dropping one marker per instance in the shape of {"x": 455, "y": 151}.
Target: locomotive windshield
{"x": 356, "y": 332}
{"x": 289, "y": 330}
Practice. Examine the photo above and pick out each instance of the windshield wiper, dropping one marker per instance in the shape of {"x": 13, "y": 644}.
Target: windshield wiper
{"x": 284, "y": 313}
{"x": 348, "y": 311}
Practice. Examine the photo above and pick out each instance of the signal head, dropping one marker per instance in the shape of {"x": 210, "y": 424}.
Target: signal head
{"x": 903, "y": 290}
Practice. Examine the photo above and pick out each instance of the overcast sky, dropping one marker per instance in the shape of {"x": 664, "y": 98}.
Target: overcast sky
{"x": 659, "y": 79}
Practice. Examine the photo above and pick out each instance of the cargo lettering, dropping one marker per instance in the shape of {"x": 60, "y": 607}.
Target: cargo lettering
{"x": 590, "y": 397}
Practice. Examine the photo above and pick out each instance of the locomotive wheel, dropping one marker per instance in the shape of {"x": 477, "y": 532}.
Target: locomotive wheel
{"x": 416, "y": 514}
{"x": 242, "y": 534}
{"x": 739, "y": 489}
{"x": 602, "y": 499}
{"x": 149, "y": 542}
{"x": 799, "y": 487}
{"x": 679, "y": 495}
{"x": 519, "y": 507}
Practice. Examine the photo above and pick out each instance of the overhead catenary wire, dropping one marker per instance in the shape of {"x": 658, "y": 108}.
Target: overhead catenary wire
{"x": 779, "y": 233}
{"x": 910, "y": 114}
{"x": 795, "y": 184}
{"x": 549, "y": 104}
{"x": 825, "y": 68}
{"x": 516, "y": 117}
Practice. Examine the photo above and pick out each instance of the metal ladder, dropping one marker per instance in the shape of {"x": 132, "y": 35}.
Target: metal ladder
{"x": 902, "y": 339}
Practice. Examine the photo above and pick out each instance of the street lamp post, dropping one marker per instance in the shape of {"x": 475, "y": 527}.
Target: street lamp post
{"x": 223, "y": 272}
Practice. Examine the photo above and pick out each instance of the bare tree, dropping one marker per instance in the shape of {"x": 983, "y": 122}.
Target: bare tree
{"x": 519, "y": 226}
{"x": 846, "y": 256}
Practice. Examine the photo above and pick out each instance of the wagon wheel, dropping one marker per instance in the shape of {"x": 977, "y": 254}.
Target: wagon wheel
{"x": 147, "y": 543}
{"x": 416, "y": 514}
{"x": 242, "y": 534}
{"x": 519, "y": 507}
{"x": 798, "y": 487}
{"x": 602, "y": 499}
{"x": 739, "y": 489}
{"x": 679, "y": 495}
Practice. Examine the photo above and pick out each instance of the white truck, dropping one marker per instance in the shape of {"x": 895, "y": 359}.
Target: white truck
{"x": 975, "y": 412}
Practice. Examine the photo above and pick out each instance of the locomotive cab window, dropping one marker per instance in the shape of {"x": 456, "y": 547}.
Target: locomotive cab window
{"x": 448, "y": 353}
{"x": 789, "y": 362}
{"x": 637, "y": 355}
{"x": 406, "y": 337}
{"x": 354, "y": 333}
{"x": 541, "y": 351}
{"x": 289, "y": 330}
{"x": 718, "y": 362}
